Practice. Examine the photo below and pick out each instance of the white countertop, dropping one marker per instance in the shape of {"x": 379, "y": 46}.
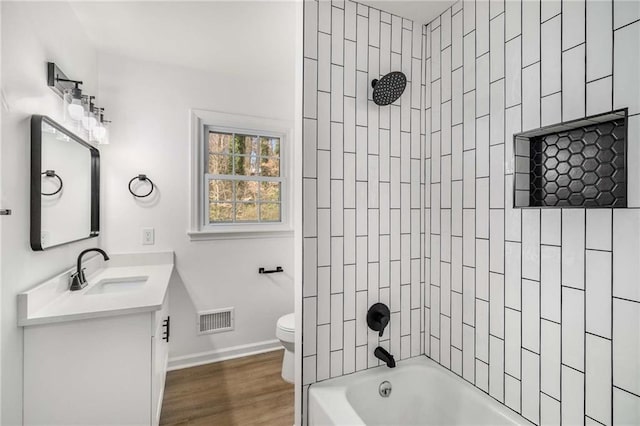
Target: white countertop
{"x": 52, "y": 301}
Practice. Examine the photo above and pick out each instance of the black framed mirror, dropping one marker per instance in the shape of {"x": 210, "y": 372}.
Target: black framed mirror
{"x": 65, "y": 186}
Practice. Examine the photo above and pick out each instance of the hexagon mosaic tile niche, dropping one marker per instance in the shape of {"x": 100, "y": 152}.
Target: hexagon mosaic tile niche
{"x": 576, "y": 164}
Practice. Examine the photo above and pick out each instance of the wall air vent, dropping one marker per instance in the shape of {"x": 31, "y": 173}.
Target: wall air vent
{"x": 216, "y": 321}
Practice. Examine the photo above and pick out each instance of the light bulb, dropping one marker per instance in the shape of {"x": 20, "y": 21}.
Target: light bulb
{"x": 99, "y": 132}
{"x": 104, "y": 140}
{"x": 76, "y": 110}
{"x": 89, "y": 121}
{"x": 66, "y": 101}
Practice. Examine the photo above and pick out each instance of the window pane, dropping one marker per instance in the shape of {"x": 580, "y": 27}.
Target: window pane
{"x": 220, "y": 164}
{"x": 270, "y": 191}
{"x": 269, "y": 147}
{"x": 219, "y": 143}
{"x": 246, "y": 190}
{"x": 245, "y": 145}
{"x": 270, "y": 212}
{"x": 220, "y": 212}
{"x": 246, "y": 165}
{"x": 246, "y": 212}
{"x": 236, "y": 156}
{"x": 220, "y": 190}
{"x": 270, "y": 166}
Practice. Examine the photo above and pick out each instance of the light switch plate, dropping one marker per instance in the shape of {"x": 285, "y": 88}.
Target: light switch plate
{"x": 148, "y": 236}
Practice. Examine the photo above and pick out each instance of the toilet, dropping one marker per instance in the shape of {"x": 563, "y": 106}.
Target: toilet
{"x": 285, "y": 331}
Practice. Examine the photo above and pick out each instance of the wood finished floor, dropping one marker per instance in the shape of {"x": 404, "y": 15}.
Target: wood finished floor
{"x": 244, "y": 391}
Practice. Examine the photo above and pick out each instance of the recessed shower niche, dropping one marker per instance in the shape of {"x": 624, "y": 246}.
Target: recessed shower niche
{"x": 580, "y": 163}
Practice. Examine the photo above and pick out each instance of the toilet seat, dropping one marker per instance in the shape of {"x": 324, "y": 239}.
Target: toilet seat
{"x": 287, "y": 322}
{"x": 285, "y": 329}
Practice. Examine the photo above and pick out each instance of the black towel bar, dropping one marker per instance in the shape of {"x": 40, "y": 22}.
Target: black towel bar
{"x": 270, "y": 271}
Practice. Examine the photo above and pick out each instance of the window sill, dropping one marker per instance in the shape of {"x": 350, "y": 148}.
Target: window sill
{"x": 240, "y": 234}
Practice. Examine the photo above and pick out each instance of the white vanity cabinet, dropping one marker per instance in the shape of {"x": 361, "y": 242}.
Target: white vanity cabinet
{"x": 99, "y": 371}
{"x": 98, "y": 356}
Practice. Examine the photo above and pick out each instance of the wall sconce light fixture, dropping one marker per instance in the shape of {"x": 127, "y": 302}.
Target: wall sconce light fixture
{"x": 72, "y": 98}
{"x": 79, "y": 110}
{"x": 100, "y": 132}
{"x": 89, "y": 119}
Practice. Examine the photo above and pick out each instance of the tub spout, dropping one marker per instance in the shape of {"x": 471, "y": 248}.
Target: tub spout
{"x": 384, "y": 356}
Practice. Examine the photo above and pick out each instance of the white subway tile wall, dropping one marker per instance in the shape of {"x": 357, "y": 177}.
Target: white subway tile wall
{"x": 364, "y": 189}
{"x": 538, "y": 308}
{"x": 554, "y": 292}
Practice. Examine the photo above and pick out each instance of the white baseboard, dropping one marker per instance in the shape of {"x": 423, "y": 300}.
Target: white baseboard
{"x": 201, "y": 358}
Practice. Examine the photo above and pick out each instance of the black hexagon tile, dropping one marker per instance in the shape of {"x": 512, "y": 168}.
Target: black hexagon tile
{"x": 579, "y": 164}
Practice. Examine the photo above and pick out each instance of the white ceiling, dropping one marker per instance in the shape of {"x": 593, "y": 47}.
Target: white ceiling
{"x": 229, "y": 37}
{"x": 420, "y": 11}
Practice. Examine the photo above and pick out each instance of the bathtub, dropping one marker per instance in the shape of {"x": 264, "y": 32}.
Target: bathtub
{"x": 423, "y": 393}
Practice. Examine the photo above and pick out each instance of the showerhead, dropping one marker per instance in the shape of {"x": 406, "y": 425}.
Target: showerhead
{"x": 389, "y": 88}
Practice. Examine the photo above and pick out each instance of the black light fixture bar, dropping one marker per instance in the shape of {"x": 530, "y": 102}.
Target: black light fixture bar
{"x": 72, "y": 95}
{"x": 58, "y": 80}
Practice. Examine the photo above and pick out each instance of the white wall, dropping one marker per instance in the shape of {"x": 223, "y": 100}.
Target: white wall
{"x": 544, "y": 303}
{"x": 32, "y": 34}
{"x": 149, "y": 104}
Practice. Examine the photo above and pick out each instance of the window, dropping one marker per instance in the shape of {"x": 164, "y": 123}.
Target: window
{"x": 239, "y": 174}
{"x": 243, "y": 181}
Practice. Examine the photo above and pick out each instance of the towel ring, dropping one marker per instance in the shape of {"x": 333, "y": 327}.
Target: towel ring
{"x": 141, "y": 178}
{"x": 52, "y": 173}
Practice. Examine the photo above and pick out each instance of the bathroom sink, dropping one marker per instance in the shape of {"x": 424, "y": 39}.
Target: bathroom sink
{"x": 117, "y": 285}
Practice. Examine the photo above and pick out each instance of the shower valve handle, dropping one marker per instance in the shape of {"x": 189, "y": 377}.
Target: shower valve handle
{"x": 383, "y": 324}
{"x": 378, "y": 317}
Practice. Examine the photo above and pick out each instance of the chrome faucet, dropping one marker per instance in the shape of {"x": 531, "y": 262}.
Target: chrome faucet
{"x": 78, "y": 280}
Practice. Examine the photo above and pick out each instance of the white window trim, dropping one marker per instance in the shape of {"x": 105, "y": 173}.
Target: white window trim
{"x": 198, "y": 229}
